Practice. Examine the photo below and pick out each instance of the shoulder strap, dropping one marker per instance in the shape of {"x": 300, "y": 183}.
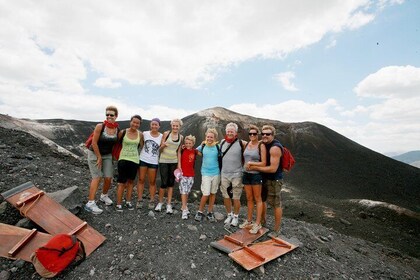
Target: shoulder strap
{"x": 167, "y": 135}
{"x": 224, "y": 153}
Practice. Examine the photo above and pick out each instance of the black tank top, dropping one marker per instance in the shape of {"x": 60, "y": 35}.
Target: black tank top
{"x": 279, "y": 172}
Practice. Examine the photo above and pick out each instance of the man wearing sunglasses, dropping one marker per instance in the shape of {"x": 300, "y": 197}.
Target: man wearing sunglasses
{"x": 272, "y": 176}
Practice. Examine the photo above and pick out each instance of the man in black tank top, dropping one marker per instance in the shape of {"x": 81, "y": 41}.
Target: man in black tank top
{"x": 272, "y": 177}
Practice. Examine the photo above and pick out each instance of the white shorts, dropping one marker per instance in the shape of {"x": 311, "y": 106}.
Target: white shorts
{"x": 210, "y": 184}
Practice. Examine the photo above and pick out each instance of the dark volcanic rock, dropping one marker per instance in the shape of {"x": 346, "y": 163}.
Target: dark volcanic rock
{"x": 161, "y": 246}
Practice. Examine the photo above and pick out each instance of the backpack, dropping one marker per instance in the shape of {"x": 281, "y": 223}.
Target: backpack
{"x": 61, "y": 251}
{"x": 287, "y": 160}
{"x": 88, "y": 142}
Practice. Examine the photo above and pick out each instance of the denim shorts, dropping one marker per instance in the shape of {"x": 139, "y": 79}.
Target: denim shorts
{"x": 148, "y": 165}
{"x": 251, "y": 178}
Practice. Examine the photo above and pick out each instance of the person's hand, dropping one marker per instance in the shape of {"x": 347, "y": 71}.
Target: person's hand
{"x": 99, "y": 162}
{"x": 248, "y": 166}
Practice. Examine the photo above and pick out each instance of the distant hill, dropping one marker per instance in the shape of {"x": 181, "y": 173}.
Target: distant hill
{"x": 328, "y": 165}
{"x": 412, "y": 158}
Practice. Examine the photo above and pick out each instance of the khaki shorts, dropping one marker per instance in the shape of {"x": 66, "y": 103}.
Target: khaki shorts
{"x": 210, "y": 184}
{"x": 274, "y": 192}
{"x": 107, "y": 170}
{"x": 237, "y": 187}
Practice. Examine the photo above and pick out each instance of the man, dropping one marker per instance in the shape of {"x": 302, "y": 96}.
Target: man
{"x": 272, "y": 175}
{"x": 231, "y": 149}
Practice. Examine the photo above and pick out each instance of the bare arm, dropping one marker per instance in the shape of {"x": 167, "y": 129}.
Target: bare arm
{"x": 275, "y": 154}
{"x": 95, "y": 147}
{"x": 163, "y": 144}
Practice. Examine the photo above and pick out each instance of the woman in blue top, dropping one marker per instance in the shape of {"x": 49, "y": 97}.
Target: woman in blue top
{"x": 210, "y": 172}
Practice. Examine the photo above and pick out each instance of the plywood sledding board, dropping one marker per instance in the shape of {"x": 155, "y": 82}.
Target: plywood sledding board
{"x": 20, "y": 243}
{"x": 237, "y": 240}
{"x": 253, "y": 256}
{"x": 52, "y": 216}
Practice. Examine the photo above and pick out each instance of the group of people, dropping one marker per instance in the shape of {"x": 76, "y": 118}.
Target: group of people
{"x": 231, "y": 164}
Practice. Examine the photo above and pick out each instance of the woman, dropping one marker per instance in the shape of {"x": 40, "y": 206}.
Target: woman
{"x": 210, "y": 172}
{"x": 254, "y": 152}
{"x": 105, "y": 136}
{"x": 128, "y": 162}
{"x": 149, "y": 157}
{"x": 168, "y": 162}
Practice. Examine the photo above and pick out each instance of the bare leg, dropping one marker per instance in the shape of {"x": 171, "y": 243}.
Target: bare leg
{"x": 94, "y": 184}
{"x": 107, "y": 184}
{"x": 161, "y": 194}
{"x": 211, "y": 202}
{"x": 203, "y": 202}
{"x": 184, "y": 199}
{"x": 228, "y": 205}
{"x": 151, "y": 175}
{"x": 129, "y": 187}
{"x": 170, "y": 193}
{"x": 120, "y": 192}
{"x": 278, "y": 213}
{"x": 256, "y": 190}
{"x": 249, "y": 202}
{"x": 236, "y": 206}
{"x": 140, "y": 183}
{"x": 264, "y": 213}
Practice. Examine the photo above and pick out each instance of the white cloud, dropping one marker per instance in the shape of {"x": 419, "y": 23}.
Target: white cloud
{"x": 106, "y": 83}
{"x": 391, "y": 82}
{"x": 161, "y": 42}
{"x": 331, "y": 44}
{"x": 291, "y": 111}
{"x": 285, "y": 79}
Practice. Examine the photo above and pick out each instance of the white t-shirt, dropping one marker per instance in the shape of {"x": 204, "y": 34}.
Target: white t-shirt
{"x": 150, "y": 151}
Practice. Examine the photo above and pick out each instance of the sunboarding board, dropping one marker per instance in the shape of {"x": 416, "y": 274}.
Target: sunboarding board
{"x": 20, "y": 243}
{"x": 237, "y": 240}
{"x": 52, "y": 216}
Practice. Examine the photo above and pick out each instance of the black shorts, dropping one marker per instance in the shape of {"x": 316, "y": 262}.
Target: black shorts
{"x": 127, "y": 170}
{"x": 167, "y": 177}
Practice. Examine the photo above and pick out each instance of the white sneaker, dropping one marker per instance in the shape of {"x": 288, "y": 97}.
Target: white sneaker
{"x": 229, "y": 219}
{"x": 255, "y": 228}
{"x": 245, "y": 224}
{"x": 169, "y": 209}
{"x": 158, "y": 207}
{"x": 235, "y": 221}
{"x": 105, "y": 199}
{"x": 93, "y": 208}
{"x": 184, "y": 215}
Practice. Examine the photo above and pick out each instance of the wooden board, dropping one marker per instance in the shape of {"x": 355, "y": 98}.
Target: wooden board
{"x": 20, "y": 243}
{"x": 52, "y": 216}
{"x": 253, "y": 256}
{"x": 237, "y": 240}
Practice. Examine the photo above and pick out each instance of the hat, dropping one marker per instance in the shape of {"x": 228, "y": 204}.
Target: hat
{"x": 177, "y": 174}
{"x": 156, "y": 120}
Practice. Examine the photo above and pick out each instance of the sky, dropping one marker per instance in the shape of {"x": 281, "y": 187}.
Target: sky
{"x": 353, "y": 66}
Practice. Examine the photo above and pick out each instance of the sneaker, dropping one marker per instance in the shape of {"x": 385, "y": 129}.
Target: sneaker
{"x": 235, "y": 221}
{"x": 158, "y": 207}
{"x": 210, "y": 217}
{"x": 188, "y": 211}
{"x": 139, "y": 204}
{"x": 274, "y": 234}
{"x": 229, "y": 219}
{"x": 129, "y": 205}
{"x": 118, "y": 208}
{"x": 169, "y": 209}
{"x": 245, "y": 224}
{"x": 199, "y": 216}
{"x": 93, "y": 208}
{"x": 151, "y": 205}
{"x": 105, "y": 199}
{"x": 255, "y": 228}
{"x": 184, "y": 215}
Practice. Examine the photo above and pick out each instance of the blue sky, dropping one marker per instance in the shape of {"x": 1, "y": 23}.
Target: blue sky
{"x": 353, "y": 66}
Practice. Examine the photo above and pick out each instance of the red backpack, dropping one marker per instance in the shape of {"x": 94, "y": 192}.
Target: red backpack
{"x": 88, "y": 142}
{"x": 287, "y": 160}
{"x": 62, "y": 250}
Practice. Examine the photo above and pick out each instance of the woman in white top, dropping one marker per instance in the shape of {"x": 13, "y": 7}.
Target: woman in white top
{"x": 149, "y": 159}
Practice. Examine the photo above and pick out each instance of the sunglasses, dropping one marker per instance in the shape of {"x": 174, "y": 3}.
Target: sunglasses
{"x": 266, "y": 134}
{"x": 110, "y": 115}
{"x": 252, "y": 134}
